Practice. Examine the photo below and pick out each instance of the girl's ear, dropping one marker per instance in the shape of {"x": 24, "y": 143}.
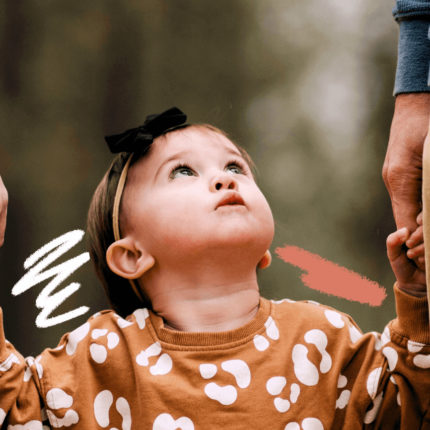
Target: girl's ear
{"x": 125, "y": 260}
{"x": 265, "y": 261}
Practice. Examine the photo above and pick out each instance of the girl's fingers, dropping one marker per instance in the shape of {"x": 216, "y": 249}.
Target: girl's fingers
{"x": 415, "y": 238}
{"x": 415, "y": 252}
{"x": 394, "y": 243}
{"x": 421, "y": 264}
{"x": 403, "y": 268}
{"x": 420, "y": 218}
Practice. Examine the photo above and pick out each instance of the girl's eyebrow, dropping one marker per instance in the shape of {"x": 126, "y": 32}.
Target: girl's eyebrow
{"x": 232, "y": 151}
{"x": 181, "y": 154}
{"x": 168, "y": 160}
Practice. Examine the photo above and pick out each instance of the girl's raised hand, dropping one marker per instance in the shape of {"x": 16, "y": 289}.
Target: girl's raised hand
{"x": 3, "y": 210}
{"x": 410, "y": 276}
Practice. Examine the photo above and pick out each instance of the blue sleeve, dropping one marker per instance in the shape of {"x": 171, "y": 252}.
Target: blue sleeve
{"x": 413, "y": 60}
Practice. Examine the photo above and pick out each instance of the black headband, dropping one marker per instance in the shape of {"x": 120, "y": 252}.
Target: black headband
{"x": 136, "y": 139}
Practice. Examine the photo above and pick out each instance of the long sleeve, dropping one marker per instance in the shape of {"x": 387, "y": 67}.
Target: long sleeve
{"x": 350, "y": 380}
{"x": 61, "y": 387}
{"x": 399, "y": 384}
{"x": 412, "y": 74}
{"x": 409, "y": 365}
{"x": 19, "y": 393}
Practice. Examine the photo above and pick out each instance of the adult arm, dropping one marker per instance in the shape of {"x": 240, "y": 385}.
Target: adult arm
{"x": 402, "y": 170}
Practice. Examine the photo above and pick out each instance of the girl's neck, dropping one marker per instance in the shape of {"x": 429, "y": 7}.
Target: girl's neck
{"x": 222, "y": 313}
{"x": 204, "y": 302}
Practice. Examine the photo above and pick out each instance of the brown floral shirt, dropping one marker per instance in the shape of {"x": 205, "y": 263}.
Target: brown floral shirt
{"x": 296, "y": 365}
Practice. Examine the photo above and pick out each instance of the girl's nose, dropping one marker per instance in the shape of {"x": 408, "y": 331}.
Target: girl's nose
{"x": 224, "y": 181}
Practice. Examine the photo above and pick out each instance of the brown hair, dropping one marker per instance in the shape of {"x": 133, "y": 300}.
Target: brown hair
{"x": 100, "y": 230}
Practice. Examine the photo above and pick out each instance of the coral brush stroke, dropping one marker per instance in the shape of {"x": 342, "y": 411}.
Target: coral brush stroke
{"x": 329, "y": 278}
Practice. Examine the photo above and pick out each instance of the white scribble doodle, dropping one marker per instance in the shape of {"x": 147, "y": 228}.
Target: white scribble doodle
{"x": 36, "y": 264}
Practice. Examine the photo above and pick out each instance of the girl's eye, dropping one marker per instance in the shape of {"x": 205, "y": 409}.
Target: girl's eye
{"x": 235, "y": 168}
{"x": 182, "y": 170}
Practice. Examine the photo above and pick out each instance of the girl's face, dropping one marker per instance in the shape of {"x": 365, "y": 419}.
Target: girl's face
{"x": 195, "y": 193}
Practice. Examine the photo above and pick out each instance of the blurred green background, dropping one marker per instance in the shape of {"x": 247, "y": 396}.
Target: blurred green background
{"x": 304, "y": 86}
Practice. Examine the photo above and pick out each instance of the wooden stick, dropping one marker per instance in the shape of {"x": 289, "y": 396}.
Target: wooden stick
{"x": 426, "y": 213}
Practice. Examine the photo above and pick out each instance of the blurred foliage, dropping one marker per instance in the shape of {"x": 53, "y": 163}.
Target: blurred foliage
{"x": 304, "y": 86}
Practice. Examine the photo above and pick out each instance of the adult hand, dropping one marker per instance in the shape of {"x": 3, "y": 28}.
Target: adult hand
{"x": 402, "y": 170}
{"x": 3, "y": 210}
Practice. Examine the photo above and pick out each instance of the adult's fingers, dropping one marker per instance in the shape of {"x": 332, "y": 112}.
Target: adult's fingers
{"x": 3, "y": 210}
{"x": 402, "y": 170}
{"x": 403, "y": 179}
{"x": 415, "y": 238}
{"x": 406, "y": 203}
{"x": 402, "y": 174}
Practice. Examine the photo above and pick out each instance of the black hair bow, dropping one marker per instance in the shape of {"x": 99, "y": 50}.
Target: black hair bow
{"x": 141, "y": 137}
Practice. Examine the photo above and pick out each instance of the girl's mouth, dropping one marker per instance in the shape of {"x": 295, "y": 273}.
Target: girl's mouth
{"x": 231, "y": 198}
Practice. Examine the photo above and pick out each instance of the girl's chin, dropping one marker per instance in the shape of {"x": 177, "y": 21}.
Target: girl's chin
{"x": 239, "y": 242}
{"x": 225, "y": 237}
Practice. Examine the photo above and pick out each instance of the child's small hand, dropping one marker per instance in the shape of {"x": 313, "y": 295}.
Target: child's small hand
{"x": 415, "y": 243}
{"x": 3, "y": 210}
{"x": 410, "y": 277}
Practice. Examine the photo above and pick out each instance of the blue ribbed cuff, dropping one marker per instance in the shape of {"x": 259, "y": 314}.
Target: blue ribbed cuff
{"x": 411, "y": 8}
{"x": 413, "y": 61}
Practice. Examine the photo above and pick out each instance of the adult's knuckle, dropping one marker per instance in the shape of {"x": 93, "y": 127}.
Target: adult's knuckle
{"x": 394, "y": 172}
{"x": 385, "y": 172}
{"x": 4, "y": 198}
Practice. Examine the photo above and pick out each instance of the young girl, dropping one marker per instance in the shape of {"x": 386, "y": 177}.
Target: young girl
{"x": 177, "y": 228}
